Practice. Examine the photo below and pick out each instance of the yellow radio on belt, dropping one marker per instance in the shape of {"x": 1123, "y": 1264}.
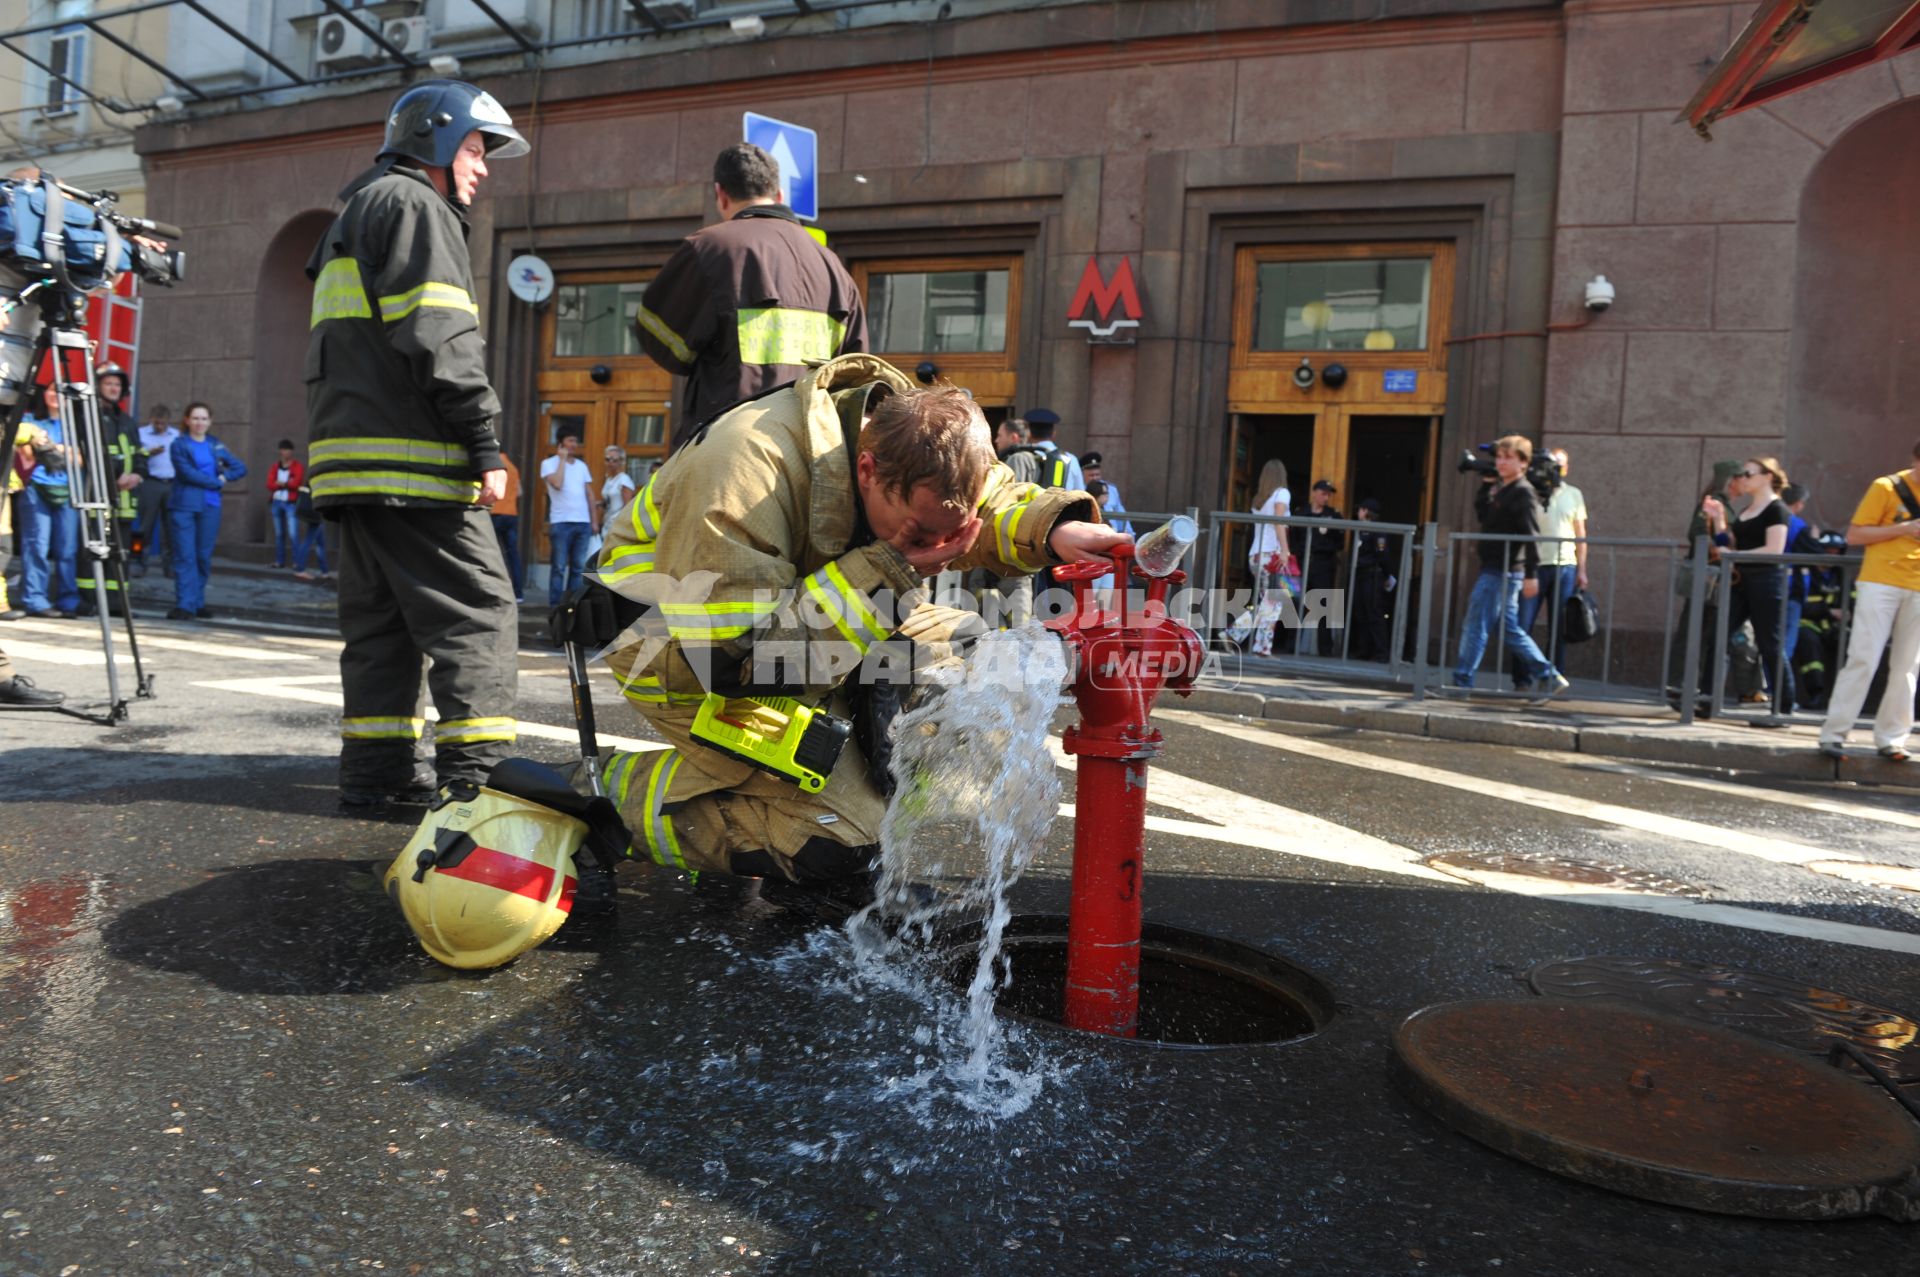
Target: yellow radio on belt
{"x": 776, "y": 734}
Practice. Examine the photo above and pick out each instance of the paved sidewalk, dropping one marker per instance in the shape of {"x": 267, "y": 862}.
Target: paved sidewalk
{"x": 1617, "y": 729}
{"x": 1642, "y": 730}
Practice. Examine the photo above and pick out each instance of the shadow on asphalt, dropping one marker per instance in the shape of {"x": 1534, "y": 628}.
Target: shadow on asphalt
{"x": 284, "y": 927}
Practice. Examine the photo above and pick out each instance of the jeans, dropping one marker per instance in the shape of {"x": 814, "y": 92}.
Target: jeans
{"x": 1496, "y": 601}
{"x": 52, "y": 549}
{"x": 570, "y": 541}
{"x": 193, "y": 532}
{"x": 286, "y": 532}
{"x": 1557, "y": 582}
{"x": 1758, "y": 596}
{"x": 312, "y": 537}
{"x": 506, "y": 530}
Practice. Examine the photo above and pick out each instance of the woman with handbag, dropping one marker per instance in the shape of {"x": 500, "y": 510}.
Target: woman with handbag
{"x": 201, "y": 467}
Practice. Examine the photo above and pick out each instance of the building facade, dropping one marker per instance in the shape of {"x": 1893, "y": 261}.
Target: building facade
{"x": 1359, "y": 237}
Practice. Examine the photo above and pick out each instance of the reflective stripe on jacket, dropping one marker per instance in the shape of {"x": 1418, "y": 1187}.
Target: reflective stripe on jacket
{"x": 399, "y": 408}
{"x": 744, "y": 307}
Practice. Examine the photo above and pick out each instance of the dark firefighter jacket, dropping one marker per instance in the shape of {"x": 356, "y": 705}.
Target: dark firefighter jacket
{"x": 398, "y": 405}
{"x": 745, "y": 306}
{"x": 122, "y": 440}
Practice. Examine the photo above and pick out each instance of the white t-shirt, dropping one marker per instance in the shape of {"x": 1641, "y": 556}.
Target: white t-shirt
{"x": 1267, "y": 537}
{"x": 570, "y": 504}
{"x": 1566, "y": 508}
{"x": 615, "y": 493}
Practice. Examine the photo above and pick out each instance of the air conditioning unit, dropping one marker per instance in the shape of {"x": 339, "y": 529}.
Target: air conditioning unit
{"x": 409, "y": 35}
{"x": 338, "y": 45}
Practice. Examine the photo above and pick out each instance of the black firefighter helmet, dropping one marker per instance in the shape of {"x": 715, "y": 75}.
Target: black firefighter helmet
{"x": 430, "y": 120}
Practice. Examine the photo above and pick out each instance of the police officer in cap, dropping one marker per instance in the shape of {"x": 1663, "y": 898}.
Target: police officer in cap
{"x": 405, "y": 457}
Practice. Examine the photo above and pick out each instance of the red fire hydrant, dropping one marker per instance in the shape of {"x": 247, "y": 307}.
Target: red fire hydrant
{"x": 1123, "y": 660}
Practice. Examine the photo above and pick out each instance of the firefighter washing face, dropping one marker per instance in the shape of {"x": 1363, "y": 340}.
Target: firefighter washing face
{"x": 776, "y": 552}
{"x": 405, "y": 457}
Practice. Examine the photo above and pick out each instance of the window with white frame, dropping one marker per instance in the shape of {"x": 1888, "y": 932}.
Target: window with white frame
{"x": 66, "y": 61}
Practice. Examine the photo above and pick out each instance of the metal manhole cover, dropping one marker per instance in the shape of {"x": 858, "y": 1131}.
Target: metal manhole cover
{"x": 1662, "y": 1107}
{"x": 1473, "y": 865}
{"x": 1789, "y": 1012}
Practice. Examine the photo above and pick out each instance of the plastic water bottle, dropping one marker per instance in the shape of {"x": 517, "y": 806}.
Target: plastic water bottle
{"x": 1159, "y": 552}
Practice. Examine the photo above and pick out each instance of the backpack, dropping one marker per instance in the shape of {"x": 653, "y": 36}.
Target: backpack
{"x": 1051, "y": 463}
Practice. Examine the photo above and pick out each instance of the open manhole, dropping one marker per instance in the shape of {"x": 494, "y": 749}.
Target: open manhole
{"x": 1477, "y": 866}
{"x": 1789, "y": 1012}
{"x": 1196, "y": 991}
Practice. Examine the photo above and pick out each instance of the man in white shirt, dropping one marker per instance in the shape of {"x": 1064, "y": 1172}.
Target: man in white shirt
{"x": 150, "y": 519}
{"x": 572, "y": 512}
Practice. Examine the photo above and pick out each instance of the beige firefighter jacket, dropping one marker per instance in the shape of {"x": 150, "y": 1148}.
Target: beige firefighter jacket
{"x": 749, "y": 540}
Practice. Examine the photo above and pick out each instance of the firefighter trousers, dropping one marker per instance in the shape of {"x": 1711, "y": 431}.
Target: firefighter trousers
{"x": 696, "y": 808}
{"x": 424, "y": 591}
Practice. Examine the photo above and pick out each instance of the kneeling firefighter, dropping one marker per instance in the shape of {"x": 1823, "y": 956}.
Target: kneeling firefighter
{"x": 763, "y": 578}
{"x": 778, "y": 558}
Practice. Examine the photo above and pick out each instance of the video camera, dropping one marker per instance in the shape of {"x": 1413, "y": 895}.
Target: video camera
{"x": 57, "y": 244}
{"x": 1543, "y": 472}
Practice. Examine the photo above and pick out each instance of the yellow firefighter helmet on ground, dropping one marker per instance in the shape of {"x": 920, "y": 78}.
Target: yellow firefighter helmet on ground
{"x": 487, "y": 876}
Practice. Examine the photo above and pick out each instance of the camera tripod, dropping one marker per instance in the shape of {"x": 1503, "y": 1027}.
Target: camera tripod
{"x": 63, "y": 343}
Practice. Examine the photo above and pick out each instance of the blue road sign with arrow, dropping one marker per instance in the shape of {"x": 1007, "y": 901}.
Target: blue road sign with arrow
{"x": 797, "y": 151}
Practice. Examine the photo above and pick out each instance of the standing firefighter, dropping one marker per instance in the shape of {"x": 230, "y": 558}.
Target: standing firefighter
{"x": 774, "y": 555}
{"x": 747, "y": 305}
{"x": 404, "y": 454}
{"x": 128, "y": 464}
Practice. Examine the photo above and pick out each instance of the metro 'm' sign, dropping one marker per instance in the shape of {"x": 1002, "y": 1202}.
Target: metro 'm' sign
{"x": 1102, "y": 296}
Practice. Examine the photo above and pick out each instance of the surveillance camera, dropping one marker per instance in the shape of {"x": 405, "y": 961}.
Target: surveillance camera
{"x": 1599, "y": 294}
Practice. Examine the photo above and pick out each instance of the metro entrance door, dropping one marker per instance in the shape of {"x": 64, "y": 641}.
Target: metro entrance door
{"x": 1338, "y": 370}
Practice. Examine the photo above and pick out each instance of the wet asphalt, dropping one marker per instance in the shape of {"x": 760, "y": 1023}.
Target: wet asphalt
{"x": 221, "y": 1052}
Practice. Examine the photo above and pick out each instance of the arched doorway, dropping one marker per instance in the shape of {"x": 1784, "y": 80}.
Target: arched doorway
{"x": 1855, "y": 364}
{"x": 282, "y": 299}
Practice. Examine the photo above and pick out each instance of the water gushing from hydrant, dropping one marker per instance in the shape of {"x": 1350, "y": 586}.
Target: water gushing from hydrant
{"x": 975, "y": 799}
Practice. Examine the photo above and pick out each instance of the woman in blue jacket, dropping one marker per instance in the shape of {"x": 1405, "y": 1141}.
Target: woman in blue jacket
{"x": 201, "y": 465}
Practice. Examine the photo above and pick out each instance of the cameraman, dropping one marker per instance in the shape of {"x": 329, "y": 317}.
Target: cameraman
{"x": 1506, "y": 504}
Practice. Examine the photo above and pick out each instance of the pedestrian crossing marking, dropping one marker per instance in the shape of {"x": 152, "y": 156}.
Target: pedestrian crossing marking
{"x": 289, "y": 689}
{"x": 1255, "y": 823}
{"x": 1760, "y": 846}
{"x": 1785, "y": 797}
{"x": 89, "y": 640}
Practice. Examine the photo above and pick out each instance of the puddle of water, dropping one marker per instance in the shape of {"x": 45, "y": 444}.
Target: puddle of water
{"x": 976, "y": 792}
{"x": 1471, "y": 865}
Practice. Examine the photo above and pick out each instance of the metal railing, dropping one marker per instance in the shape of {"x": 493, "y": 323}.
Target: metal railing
{"x": 1695, "y": 636}
{"x": 1711, "y": 605}
{"x": 1605, "y": 575}
{"x": 1305, "y": 616}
